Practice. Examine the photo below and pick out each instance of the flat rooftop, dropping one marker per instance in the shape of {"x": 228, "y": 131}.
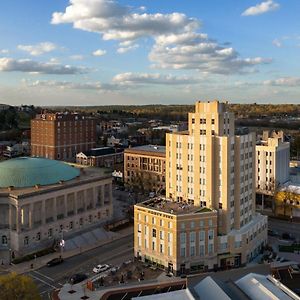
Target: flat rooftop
{"x": 173, "y": 207}
{"x": 87, "y": 174}
{"x": 147, "y": 149}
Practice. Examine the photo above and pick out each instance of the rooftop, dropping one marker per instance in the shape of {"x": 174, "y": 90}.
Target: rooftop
{"x": 30, "y": 171}
{"x": 148, "y": 148}
{"x": 83, "y": 175}
{"x": 172, "y": 207}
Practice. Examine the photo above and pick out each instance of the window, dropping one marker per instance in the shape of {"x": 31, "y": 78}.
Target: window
{"x": 192, "y": 250}
{"x": 161, "y": 235}
{"x": 210, "y": 223}
{"x": 201, "y": 250}
{"x": 182, "y": 225}
{"x": 192, "y": 237}
{"x": 161, "y": 248}
{"x": 202, "y": 235}
{"x": 192, "y": 224}
{"x": 26, "y": 240}
{"x": 153, "y": 245}
{"x": 210, "y": 248}
{"x": 210, "y": 234}
{"x": 182, "y": 251}
{"x": 201, "y": 223}
{"x": 182, "y": 238}
{"x": 154, "y": 233}
{"x": 4, "y": 240}
{"x": 212, "y": 121}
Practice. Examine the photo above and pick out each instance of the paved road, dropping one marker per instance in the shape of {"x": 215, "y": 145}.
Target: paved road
{"x": 113, "y": 253}
{"x": 285, "y": 226}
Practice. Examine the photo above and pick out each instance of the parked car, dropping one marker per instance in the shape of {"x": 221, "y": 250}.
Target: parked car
{"x": 288, "y": 236}
{"x": 101, "y": 268}
{"x": 272, "y": 232}
{"x": 76, "y": 278}
{"x": 55, "y": 261}
{"x": 294, "y": 269}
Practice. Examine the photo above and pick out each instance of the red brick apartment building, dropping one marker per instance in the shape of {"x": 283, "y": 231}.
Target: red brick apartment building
{"x": 61, "y": 136}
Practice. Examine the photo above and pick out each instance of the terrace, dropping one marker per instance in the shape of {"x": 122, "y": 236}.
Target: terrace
{"x": 173, "y": 207}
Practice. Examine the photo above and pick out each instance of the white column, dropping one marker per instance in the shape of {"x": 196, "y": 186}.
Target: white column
{"x": 31, "y": 215}
{"x": 54, "y": 209}
{"x": 43, "y": 216}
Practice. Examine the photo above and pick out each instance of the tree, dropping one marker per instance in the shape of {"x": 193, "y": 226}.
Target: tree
{"x": 18, "y": 287}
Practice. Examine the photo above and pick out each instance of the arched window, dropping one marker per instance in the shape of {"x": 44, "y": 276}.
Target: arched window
{"x": 4, "y": 240}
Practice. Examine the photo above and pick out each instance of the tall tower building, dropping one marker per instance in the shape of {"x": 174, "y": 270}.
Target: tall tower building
{"x": 211, "y": 166}
{"x": 210, "y": 197}
{"x": 61, "y": 136}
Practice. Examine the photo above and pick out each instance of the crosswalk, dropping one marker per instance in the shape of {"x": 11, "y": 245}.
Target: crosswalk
{"x": 44, "y": 283}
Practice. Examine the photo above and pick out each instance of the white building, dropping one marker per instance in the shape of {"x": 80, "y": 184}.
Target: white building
{"x": 41, "y": 198}
{"x": 272, "y": 162}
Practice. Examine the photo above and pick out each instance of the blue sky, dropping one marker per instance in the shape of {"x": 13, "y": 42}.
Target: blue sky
{"x": 100, "y": 52}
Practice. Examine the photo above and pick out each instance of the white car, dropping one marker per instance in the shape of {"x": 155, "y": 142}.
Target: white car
{"x": 101, "y": 268}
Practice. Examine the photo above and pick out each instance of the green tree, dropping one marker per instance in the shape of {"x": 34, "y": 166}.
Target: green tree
{"x": 18, "y": 287}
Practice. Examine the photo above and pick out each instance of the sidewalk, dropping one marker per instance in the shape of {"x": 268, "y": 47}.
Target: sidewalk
{"x": 42, "y": 261}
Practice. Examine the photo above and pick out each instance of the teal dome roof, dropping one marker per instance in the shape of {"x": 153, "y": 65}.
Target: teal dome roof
{"x": 30, "y": 171}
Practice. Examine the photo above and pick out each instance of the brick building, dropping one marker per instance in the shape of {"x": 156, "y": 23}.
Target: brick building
{"x": 62, "y": 135}
{"x": 145, "y": 166}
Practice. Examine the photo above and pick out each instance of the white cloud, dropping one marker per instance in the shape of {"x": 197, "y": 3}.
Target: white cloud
{"x": 196, "y": 51}
{"x": 123, "y": 50}
{"x": 284, "y": 81}
{"x": 116, "y": 22}
{"x": 277, "y": 43}
{"x": 178, "y": 44}
{"x": 77, "y": 57}
{"x": 74, "y": 85}
{"x": 38, "y": 49}
{"x": 30, "y": 66}
{"x": 154, "y": 78}
{"x": 261, "y": 8}
{"x": 99, "y": 52}
{"x": 4, "y": 51}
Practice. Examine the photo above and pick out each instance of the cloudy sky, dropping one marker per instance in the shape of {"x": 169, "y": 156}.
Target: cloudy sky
{"x": 101, "y": 52}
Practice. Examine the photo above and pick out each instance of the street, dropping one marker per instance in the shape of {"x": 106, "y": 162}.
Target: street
{"x": 285, "y": 226}
{"x": 114, "y": 253}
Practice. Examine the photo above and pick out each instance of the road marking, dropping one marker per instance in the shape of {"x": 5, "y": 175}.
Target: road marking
{"x": 43, "y": 281}
{"x": 41, "y": 274}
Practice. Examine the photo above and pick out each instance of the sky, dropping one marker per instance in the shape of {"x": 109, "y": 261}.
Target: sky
{"x": 106, "y": 52}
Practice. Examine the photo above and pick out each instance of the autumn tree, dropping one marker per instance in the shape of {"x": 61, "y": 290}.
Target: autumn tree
{"x": 18, "y": 287}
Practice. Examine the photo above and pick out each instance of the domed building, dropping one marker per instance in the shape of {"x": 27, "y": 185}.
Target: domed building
{"x": 40, "y": 198}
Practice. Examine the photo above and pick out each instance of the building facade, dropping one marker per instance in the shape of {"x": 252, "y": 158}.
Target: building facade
{"x": 272, "y": 162}
{"x": 145, "y": 166}
{"x": 107, "y": 157}
{"x": 61, "y": 136}
{"x": 40, "y": 198}
{"x": 209, "y": 166}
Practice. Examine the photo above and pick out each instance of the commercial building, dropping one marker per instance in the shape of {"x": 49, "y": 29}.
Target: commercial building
{"x": 41, "y": 198}
{"x": 209, "y": 167}
{"x": 145, "y": 166}
{"x": 106, "y": 157}
{"x": 272, "y": 162}
{"x": 61, "y": 136}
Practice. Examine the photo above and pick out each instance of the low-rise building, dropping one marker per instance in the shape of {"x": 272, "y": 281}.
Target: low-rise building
{"x": 106, "y": 157}
{"x": 144, "y": 166}
{"x": 41, "y": 198}
{"x": 183, "y": 238}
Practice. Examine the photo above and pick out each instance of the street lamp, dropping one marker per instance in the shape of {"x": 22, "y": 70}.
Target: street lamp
{"x": 62, "y": 242}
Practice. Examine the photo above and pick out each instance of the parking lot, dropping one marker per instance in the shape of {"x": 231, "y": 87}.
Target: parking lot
{"x": 285, "y": 276}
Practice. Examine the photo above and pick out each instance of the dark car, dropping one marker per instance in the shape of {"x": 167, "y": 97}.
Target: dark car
{"x": 76, "y": 278}
{"x": 288, "y": 236}
{"x": 55, "y": 261}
